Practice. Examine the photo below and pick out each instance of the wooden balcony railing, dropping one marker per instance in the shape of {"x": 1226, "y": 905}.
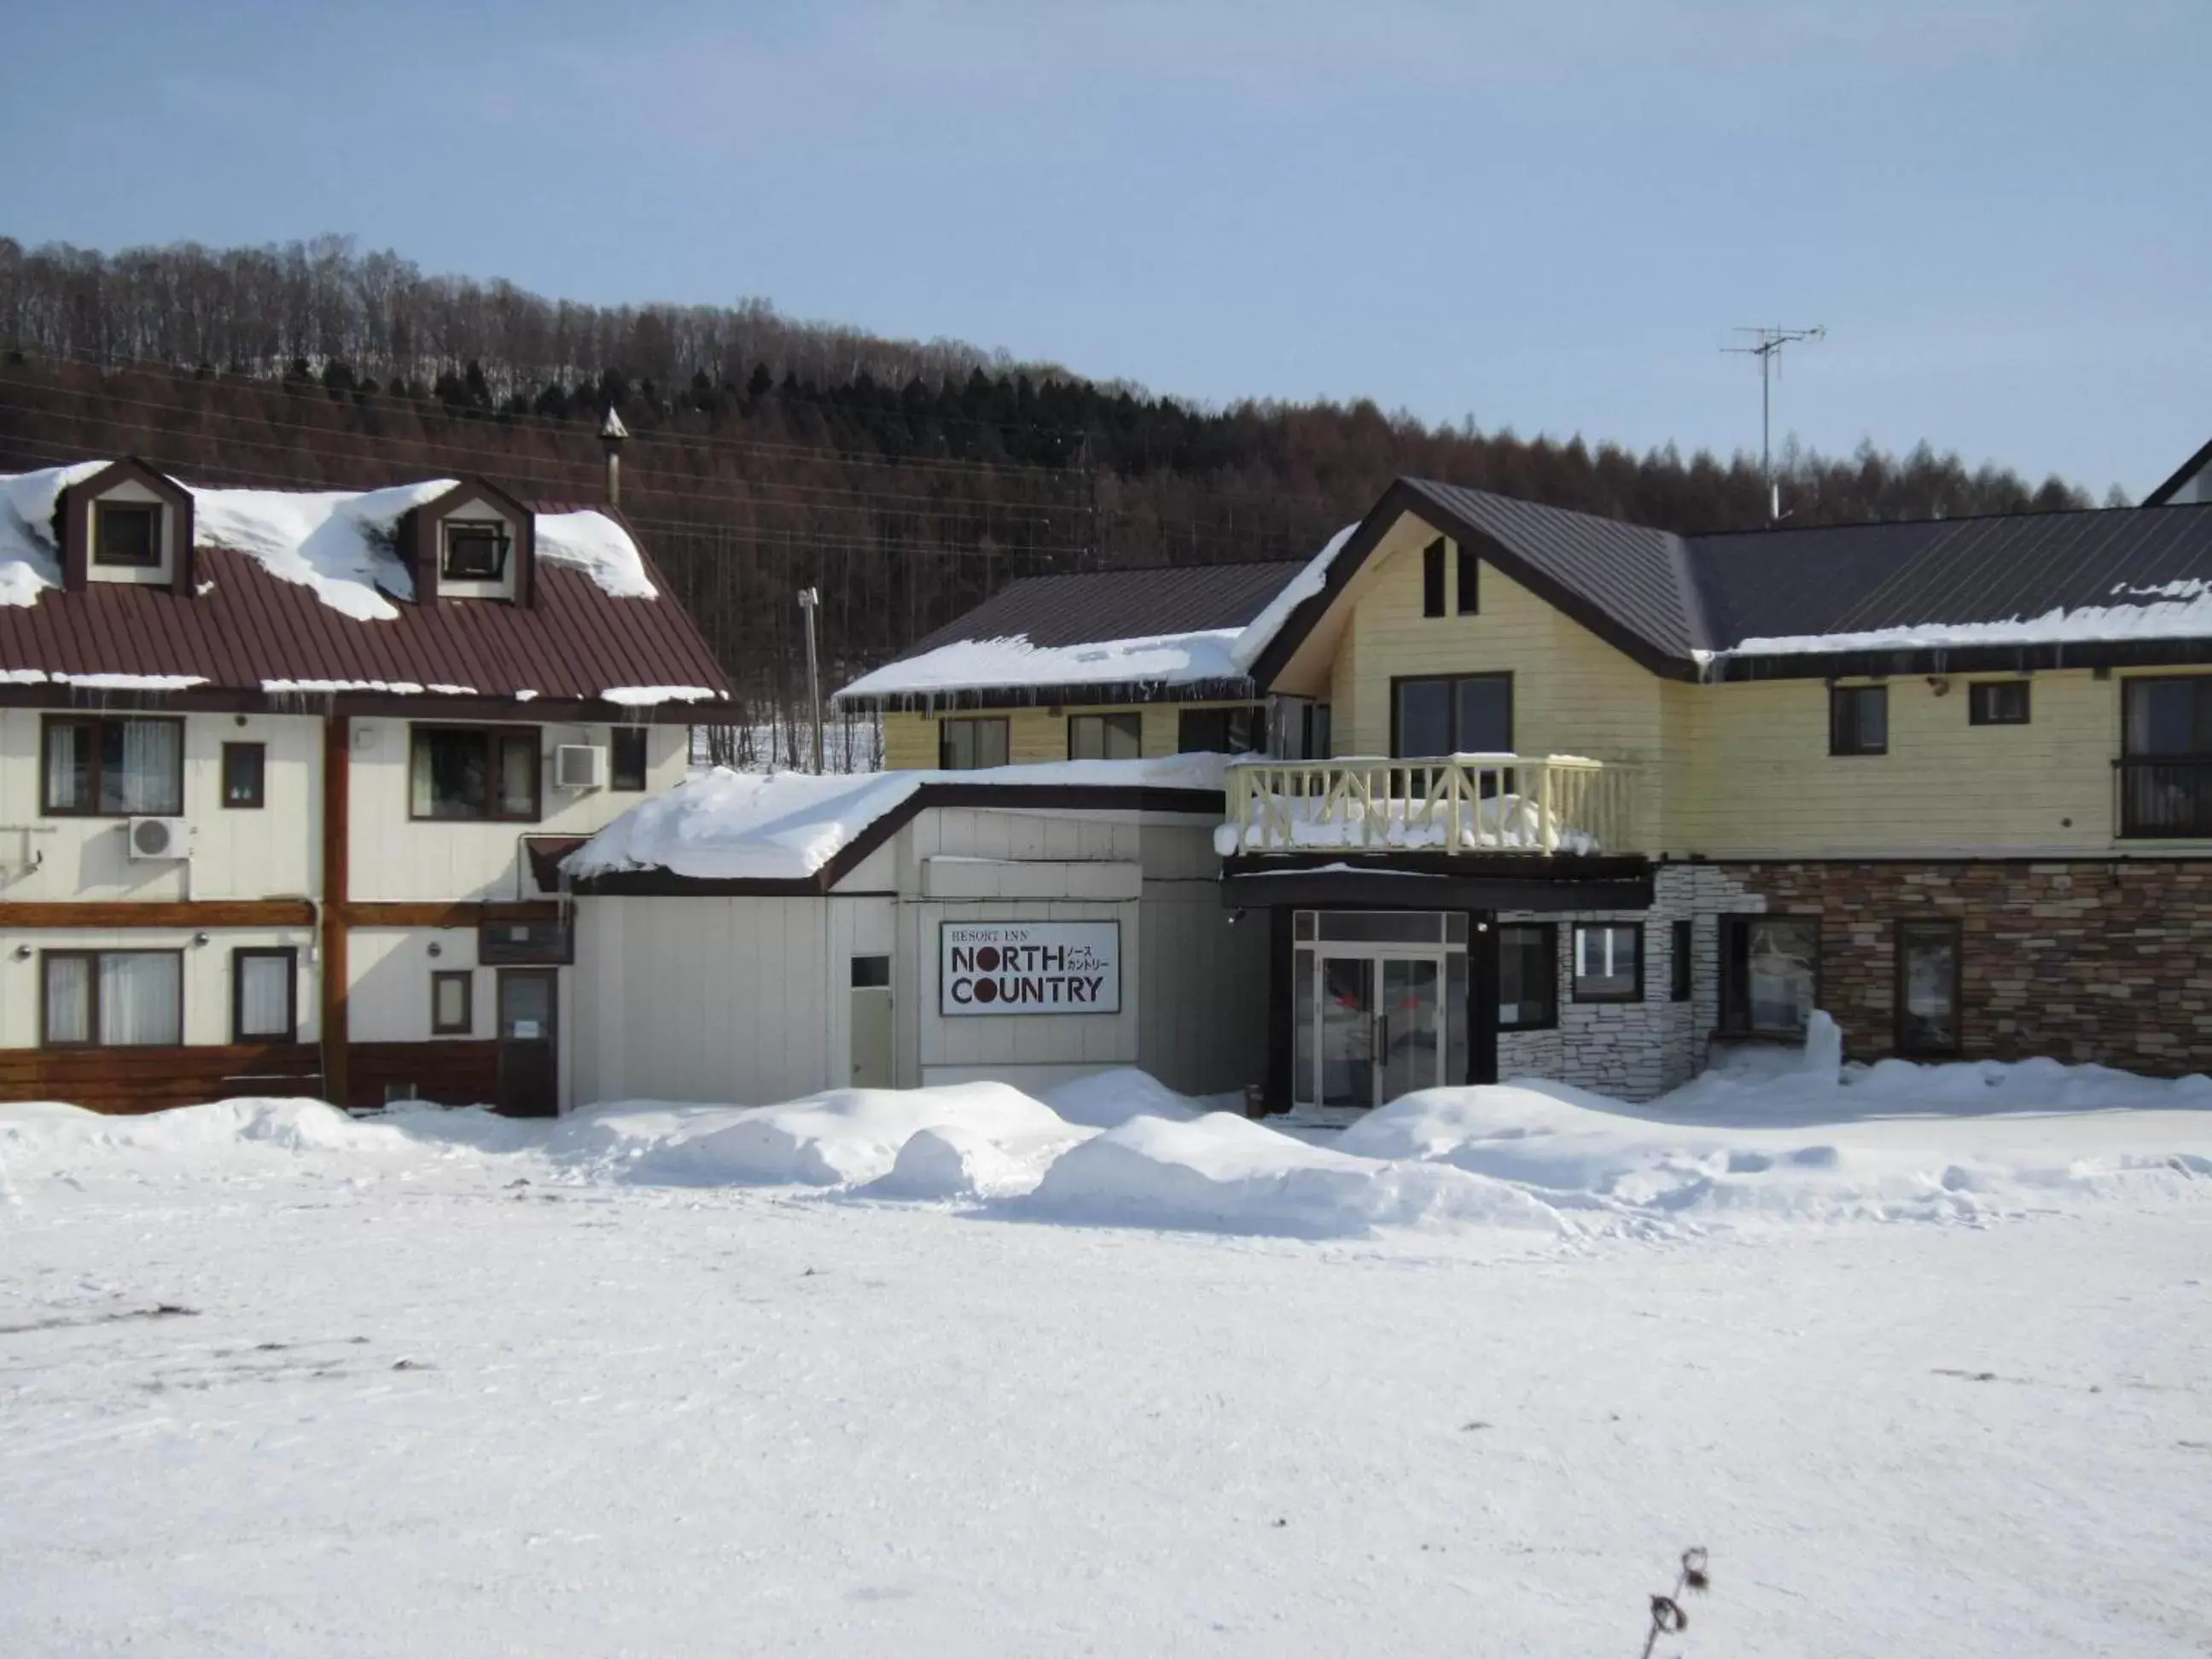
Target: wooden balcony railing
{"x": 1454, "y": 803}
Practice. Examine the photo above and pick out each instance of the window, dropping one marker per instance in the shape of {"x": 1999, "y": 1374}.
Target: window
{"x": 264, "y": 1005}
{"x": 1528, "y": 977}
{"x": 475, "y": 550}
{"x": 1678, "y": 970}
{"x": 1927, "y": 987}
{"x": 1998, "y": 702}
{"x": 1225, "y": 730}
{"x": 967, "y": 745}
{"x": 1433, "y": 579}
{"x": 113, "y": 767}
{"x": 1608, "y": 962}
{"x": 1105, "y": 737}
{"x": 871, "y": 973}
{"x": 464, "y": 772}
{"x": 2166, "y": 777}
{"x": 626, "y": 763}
{"x": 245, "y": 769}
{"x": 126, "y": 534}
{"x": 1859, "y": 720}
{"x": 1470, "y": 581}
{"x": 1461, "y": 714}
{"x": 1770, "y": 974}
{"x": 452, "y": 1003}
{"x": 112, "y": 999}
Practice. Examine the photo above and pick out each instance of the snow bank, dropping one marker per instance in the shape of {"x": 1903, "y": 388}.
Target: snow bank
{"x": 1773, "y": 1141}
{"x": 954, "y": 1161}
{"x": 1108, "y": 1099}
{"x": 1223, "y": 1173}
{"x": 847, "y": 1136}
{"x": 787, "y": 825}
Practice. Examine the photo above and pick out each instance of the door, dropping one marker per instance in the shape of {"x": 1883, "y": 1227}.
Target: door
{"x": 873, "y": 1022}
{"x": 1409, "y": 1031}
{"x": 529, "y": 1059}
{"x": 1381, "y": 1024}
{"x": 1347, "y": 1031}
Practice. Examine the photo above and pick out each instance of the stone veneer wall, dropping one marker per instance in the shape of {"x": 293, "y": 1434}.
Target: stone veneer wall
{"x": 2108, "y": 960}
{"x": 1634, "y": 1050}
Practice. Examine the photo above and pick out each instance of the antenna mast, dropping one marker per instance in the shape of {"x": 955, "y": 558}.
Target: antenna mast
{"x": 1766, "y": 343}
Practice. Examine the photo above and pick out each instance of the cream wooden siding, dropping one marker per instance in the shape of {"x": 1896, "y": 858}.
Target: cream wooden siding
{"x": 1573, "y": 693}
{"x": 1760, "y": 780}
{"x": 207, "y": 974}
{"x": 271, "y": 852}
{"x": 1037, "y": 734}
{"x": 398, "y": 857}
{"x": 388, "y": 993}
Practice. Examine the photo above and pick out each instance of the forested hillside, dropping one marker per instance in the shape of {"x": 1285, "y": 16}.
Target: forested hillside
{"x": 905, "y": 480}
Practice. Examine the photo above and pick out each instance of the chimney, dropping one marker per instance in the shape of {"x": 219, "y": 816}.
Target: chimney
{"x": 612, "y": 432}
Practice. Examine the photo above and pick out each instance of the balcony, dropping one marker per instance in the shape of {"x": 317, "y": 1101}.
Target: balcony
{"x": 2166, "y": 799}
{"x": 1531, "y": 805}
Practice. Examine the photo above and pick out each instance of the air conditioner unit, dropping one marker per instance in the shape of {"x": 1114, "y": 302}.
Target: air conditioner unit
{"x": 166, "y": 838}
{"x": 579, "y": 766}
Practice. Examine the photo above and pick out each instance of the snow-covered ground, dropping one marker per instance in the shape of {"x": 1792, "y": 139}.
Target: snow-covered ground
{"x": 1922, "y": 1355}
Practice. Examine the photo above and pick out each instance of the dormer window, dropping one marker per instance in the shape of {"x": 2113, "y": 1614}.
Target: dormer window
{"x": 475, "y": 551}
{"x": 126, "y": 534}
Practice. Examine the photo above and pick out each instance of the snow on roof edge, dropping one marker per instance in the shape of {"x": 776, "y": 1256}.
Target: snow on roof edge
{"x": 785, "y": 826}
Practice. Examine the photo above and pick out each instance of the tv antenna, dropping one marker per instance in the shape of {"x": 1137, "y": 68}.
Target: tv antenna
{"x": 1766, "y": 343}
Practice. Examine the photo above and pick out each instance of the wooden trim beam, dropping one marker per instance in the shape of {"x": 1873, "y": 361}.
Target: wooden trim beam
{"x": 190, "y": 913}
{"x": 337, "y": 761}
{"x": 440, "y": 913}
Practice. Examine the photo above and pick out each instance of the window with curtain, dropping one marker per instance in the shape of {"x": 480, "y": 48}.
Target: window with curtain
{"x": 1859, "y": 720}
{"x": 113, "y": 999}
{"x": 1105, "y": 737}
{"x": 113, "y": 767}
{"x": 263, "y": 1005}
{"x": 463, "y": 771}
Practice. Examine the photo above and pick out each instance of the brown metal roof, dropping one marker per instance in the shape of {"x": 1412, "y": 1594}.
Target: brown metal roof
{"x": 573, "y": 643}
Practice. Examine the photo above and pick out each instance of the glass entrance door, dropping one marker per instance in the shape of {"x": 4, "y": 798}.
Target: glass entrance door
{"x": 1380, "y": 1020}
{"x": 1346, "y": 1016}
{"x": 1410, "y": 1033}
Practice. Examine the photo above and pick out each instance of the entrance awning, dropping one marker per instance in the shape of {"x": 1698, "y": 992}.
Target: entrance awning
{"x": 1403, "y": 884}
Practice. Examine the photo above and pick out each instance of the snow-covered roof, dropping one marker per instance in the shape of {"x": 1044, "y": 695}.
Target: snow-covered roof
{"x": 336, "y": 544}
{"x": 1191, "y": 629}
{"x": 787, "y": 826}
{"x": 273, "y": 569}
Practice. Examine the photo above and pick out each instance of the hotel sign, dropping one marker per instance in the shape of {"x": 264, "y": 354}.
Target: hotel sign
{"x": 1028, "y": 968}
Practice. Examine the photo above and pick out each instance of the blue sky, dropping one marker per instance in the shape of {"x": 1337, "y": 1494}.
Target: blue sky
{"x": 1546, "y": 216}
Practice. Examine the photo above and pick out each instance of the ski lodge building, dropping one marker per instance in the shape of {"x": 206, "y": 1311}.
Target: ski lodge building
{"x": 386, "y": 794}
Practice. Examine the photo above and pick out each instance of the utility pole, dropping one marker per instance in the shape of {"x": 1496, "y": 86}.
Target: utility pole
{"x": 810, "y": 600}
{"x": 1766, "y": 343}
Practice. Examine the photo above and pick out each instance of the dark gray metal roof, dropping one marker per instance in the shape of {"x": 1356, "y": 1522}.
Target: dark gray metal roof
{"x": 1626, "y": 572}
{"x": 1663, "y": 598}
{"x": 1093, "y": 606}
{"x": 1849, "y": 579}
